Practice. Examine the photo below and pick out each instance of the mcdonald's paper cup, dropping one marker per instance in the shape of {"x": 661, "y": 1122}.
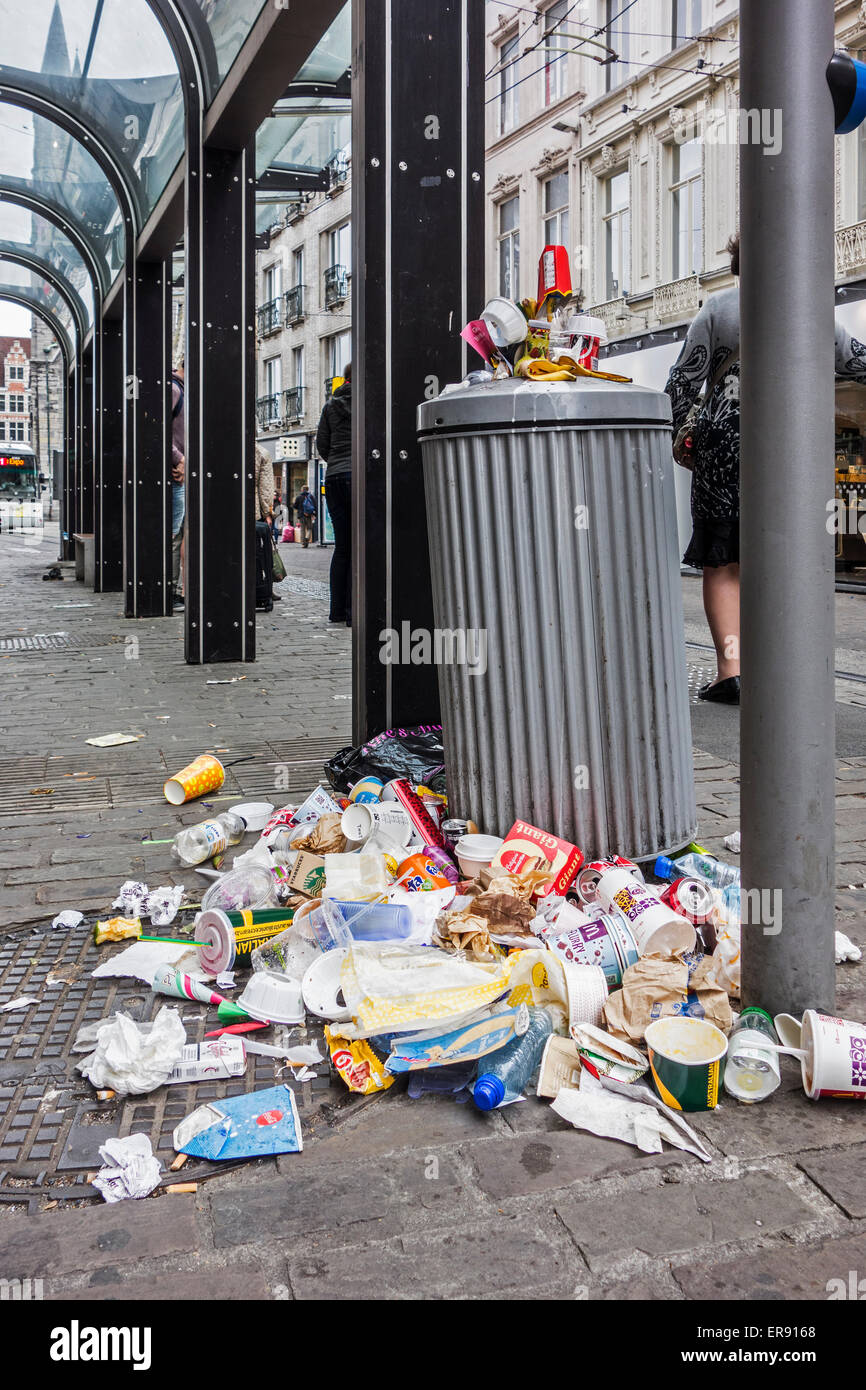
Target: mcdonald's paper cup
{"x": 656, "y": 928}
{"x": 687, "y": 1060}
{"x": 835, "y": 1061}
{"x": 206, "y": 774}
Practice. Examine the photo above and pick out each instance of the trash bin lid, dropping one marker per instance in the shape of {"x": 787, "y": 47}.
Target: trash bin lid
{"x": 585, "y": 403}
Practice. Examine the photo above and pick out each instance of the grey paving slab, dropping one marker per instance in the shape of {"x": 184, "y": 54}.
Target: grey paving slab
{"x": 681, "y": 1216}
{"x": 122, "y": 1234}
{"x": 840, "y": 1175}
{"x": 825, "y": 1269}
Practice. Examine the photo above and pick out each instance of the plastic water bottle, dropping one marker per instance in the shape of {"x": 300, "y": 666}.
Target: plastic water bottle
{"x": 752, "y": 1069}
{"x": 199, "y": 842}
{"x": 697, "y": 866}
{"x": 442, "y": 1080}
{"x": 507, "y": 1073}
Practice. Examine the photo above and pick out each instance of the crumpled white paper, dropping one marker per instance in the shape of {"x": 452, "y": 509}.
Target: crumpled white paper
{"x": 307, "y": 1055}
{"x": 845, "y": 948}
{"x": 69, "y": 918}
{"x": 634, "y": 1121}
{"x": 131, "y": 1169}
{"x": 733, "y": 842}
{"x": 163, "y": 904}
{"x": 133, "y": 1060}
{"x": 132, "y": 898}
{"x": 140, "y": 961}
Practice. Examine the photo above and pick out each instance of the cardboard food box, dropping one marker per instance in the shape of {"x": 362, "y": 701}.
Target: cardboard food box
{"x": 525, "y": 847}
{"x": 308, "y": 874}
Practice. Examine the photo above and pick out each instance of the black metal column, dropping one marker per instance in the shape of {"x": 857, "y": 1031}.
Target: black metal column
{"x": 108, "y": 483}
{"x": 86, "y": 466}
{"x": 418, "y": 263}
{"x": 147, "y": 470}
{"x": 220, "y": 394}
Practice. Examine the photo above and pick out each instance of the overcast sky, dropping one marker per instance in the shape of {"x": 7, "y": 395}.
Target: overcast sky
{"x": 14, "y": 322}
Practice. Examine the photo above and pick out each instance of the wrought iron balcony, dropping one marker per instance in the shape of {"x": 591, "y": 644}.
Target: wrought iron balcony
{"x": 850, "y": 249}
{"x": 336, "y": 285}
{"x": 294, "y": 304}
{"x": 293, "y": 403}
{"x": 337, "y": 170}
{"x": 269, "y": 317}
{"x": 268, "y": 411}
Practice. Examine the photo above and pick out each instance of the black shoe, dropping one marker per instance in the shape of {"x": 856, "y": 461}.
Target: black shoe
{"x": 338, "y": 621}
{"x": 723, "y": 692}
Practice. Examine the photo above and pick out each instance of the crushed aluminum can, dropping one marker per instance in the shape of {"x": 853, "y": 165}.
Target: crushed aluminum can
{"x": 586, "y": 883}
{"x": 691, "y": 898}
{"x": 454, "y": 830}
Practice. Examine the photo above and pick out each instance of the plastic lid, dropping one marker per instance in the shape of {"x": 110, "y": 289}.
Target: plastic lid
{"x": 663, "y": 866}
{"x": 489, "y": 1091}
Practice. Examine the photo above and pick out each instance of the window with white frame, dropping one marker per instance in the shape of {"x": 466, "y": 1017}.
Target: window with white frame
{"x": 509, "y": 91}
{"x": 298, "y": 368}
{"x": 617, "y": 234}
{"x": 297, "y": 267}
{"x": 556, "y": 44}
{"x": 272, "y": 282}
{"x": 273, "y": 387}
{"x": 2, "y": 429}
{"x": 509, "y": 248}
{"x": 2, "y": 401}
{"x": 18, "y": 431}
{"x": 618, "y": 35}
{"x": 340, "y": 246}
{"x": 686, "y": 209}
{"x": 16, "y": 402}
{"x": 687, "y": 20}
{"x": 338, "y": 355}
{"x": 556, "y": 209}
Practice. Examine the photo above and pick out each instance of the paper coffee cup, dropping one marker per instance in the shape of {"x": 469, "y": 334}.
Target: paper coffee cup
{"x": 206, "y": 774}
{"x": 835, "y": 1061}
{"x": 655, "y": 926}
{"x": 687, "y": 1060}
{"x": 360, "y": 820}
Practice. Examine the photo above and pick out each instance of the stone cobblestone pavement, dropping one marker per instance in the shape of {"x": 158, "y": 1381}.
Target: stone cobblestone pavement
{"x": 391, "y": 1198}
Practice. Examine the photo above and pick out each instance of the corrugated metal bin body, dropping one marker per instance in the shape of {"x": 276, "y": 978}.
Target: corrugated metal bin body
{"x": 553, "y": 543}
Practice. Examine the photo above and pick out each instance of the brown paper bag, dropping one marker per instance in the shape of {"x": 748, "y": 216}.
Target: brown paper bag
{"x": 654, "y": 988}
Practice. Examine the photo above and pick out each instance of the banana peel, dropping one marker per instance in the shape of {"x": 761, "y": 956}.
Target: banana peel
{"x": 566, "y": 369}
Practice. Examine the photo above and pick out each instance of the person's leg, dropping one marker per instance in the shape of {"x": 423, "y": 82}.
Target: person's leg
{"x": 337, "y": 499}
{"x": 722, "y": 607}
{"x": 348, "y": 582}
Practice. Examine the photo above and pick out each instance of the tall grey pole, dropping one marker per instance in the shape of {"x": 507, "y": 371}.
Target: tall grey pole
{"x": 787, "y": 384}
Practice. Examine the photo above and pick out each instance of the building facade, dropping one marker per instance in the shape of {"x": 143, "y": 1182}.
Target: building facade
{"x": 304, "y": 282}
{"x": 46, "y": 397}
{"x": 616, "y": 131}
{"x": 15, "y": 391}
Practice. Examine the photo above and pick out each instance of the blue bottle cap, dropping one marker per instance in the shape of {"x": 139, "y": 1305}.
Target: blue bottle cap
{"x": 489, "y": 1092}
{"x": 664, "y": 866}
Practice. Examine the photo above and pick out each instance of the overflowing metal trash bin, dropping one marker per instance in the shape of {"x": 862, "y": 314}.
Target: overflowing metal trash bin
{"x": 560, "y": 651}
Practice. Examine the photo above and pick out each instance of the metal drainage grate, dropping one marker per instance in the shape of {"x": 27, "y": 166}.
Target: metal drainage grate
{"x": 40, "y": 642}
{"x": 51, "y": 1123}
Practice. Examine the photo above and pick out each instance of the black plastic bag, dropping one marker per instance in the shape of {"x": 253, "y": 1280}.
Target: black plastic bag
{"x": 416, "y": 754}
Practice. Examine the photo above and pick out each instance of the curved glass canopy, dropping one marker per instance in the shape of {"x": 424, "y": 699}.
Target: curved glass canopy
{"x": 28, "y": 234}
{"x": 19, "y": 283}
{"x": 38, "y": 157}
{"x": 110, "y": 64}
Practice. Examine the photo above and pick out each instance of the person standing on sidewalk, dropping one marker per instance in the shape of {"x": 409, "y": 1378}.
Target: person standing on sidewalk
{"x": 710, "y": 354}
{"x": 334, "y": 443}
{"x": 305, "y": 511}
{"x": 178, "y": 483}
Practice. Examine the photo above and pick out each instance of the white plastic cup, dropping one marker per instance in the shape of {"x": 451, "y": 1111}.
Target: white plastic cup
{"x": 655, "y": 927}
{"x": 835, "y": 1061}
{"x": 506, "y": 319}
{"x": 476, "y": 852}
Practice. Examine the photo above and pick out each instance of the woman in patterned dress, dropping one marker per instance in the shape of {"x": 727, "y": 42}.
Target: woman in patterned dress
{"x": 715, "y": 544}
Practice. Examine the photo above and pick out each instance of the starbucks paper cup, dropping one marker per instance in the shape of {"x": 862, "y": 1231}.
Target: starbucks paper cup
{"x": 687, "y": 1060}
{"x": 206, "y": 774}
{"x": 835, "y": 1061}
